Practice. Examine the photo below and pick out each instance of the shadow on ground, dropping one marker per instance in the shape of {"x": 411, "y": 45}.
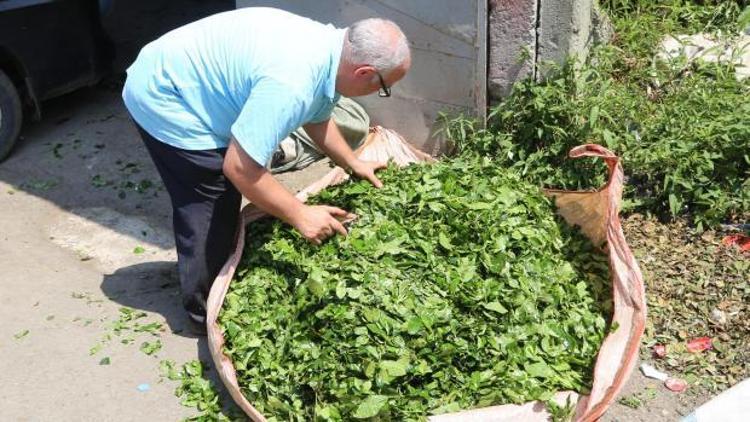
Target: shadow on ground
{"x": 85, "y": 152}
{"x": 151, "y": 287}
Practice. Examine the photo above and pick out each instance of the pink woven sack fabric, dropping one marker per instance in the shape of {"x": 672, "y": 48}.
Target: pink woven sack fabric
{"x": 595, "y": 212}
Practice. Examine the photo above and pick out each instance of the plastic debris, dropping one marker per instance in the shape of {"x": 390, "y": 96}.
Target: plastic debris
{"x": 735, "y": 227}
{"x": 699, "y": 344}
{"x": 660, "y": 350}
{"x": 709, "y": 48}
{"x": 143, "y": 387}
{"x": 651, "y": 372}
{"x": 677, "y": 385}
{"x": 740, "y": 240}
{"x": 718, "y": 316}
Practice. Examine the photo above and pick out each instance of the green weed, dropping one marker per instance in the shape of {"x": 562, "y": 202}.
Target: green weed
{"x": 681, "y": 128}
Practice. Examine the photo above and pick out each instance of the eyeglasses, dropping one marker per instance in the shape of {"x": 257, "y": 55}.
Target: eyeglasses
{"x": 384, "y": 91}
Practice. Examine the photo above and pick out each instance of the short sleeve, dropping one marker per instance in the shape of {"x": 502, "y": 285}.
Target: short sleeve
{"x": 272, "y": 111}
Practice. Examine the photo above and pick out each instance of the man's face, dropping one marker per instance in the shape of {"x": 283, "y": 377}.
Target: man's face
{"x": 365, "y": 81}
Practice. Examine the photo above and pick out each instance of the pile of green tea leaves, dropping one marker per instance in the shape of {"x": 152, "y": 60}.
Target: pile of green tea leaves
{"x": 456, "y": 288}
{"x": 681, "y": 128}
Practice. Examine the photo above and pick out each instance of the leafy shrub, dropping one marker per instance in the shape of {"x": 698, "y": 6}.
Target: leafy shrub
{"x": 682, "y": 130}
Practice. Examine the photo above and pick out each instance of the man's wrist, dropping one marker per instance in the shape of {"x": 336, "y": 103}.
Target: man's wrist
{"x": 294, "y": 213}
{"x": 352, "y": 166}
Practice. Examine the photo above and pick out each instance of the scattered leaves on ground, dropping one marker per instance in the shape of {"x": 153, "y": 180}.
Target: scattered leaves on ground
{"x": 689, "y": 277}
{"x": 151, "y": 347}
{"x": 21, "y": 334}
{"x": 197, "y": 391}
{"x": 128, "y": 323}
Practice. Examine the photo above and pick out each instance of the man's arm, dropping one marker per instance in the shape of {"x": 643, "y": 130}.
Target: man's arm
{"x": 329, "y": 139}
{"x": 315, "y": 223}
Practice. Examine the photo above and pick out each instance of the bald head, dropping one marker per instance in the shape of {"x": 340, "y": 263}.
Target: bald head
{"x": 379, "y": 43}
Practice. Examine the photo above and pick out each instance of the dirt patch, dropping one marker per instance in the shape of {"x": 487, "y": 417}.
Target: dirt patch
{"x": 691, "y": 279}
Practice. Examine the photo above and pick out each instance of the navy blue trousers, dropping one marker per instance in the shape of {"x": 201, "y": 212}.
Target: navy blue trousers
{"x": 205, "y": 214}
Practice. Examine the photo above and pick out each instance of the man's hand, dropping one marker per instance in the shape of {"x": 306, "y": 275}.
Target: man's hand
{"x": 316, "y": 223}
{"x": 328, "y": 138}
{"x": 366, "y": 170}
{"x": 256, "y": 183}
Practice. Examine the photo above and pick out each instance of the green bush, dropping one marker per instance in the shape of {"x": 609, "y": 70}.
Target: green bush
{"x": 682, "y": 130}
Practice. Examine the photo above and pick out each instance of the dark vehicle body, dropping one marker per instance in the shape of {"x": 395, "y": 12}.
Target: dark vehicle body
{"x": 47, "y": 48}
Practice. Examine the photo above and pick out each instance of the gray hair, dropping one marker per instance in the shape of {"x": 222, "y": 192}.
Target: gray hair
{"x": 371, "y": 42}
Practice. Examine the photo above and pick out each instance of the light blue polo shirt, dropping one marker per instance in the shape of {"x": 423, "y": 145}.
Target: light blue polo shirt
{"x": 255, "y": 73}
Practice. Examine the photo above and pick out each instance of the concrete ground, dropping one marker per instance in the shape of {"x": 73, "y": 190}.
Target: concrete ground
{"x": 85, "y": 230}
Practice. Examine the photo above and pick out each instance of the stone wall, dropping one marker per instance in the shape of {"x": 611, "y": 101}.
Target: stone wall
{"x": 512, "y": 44}
{"x": 525, "y": 36}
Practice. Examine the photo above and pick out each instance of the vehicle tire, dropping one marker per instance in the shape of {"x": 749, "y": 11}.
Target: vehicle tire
{"x": 10, "y": 115}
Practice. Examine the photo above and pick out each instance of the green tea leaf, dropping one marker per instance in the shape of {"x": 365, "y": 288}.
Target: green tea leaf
{"x": 444, "y": 241}
{"x": 370, "y": 407}
{"x": 151, "y": 348}
{"x": 21, "y": 334}
{"x": 495, "y": 306}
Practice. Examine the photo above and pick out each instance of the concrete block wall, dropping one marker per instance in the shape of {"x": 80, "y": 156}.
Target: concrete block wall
{"x": 512, "y": 44}
{"x": 564, "y": 31}
{"x": 525, "y": 36}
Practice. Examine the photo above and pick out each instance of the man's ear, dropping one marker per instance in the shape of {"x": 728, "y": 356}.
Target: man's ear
{"x": 366, "y": 71}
